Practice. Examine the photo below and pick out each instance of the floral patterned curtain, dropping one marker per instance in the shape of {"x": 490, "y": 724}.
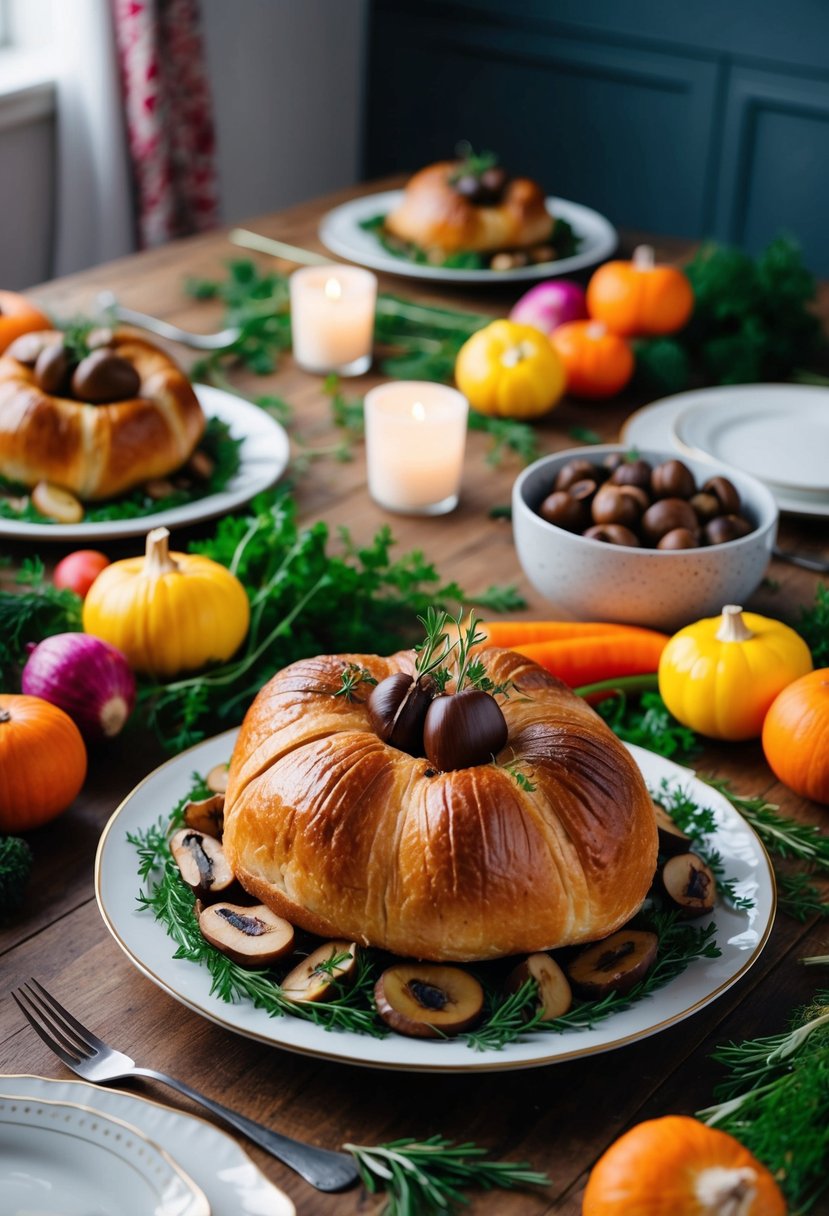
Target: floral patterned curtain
{"x": 168, "y": 115}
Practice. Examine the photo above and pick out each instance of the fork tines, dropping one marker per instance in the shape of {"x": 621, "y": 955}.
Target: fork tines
{"x": 61, "y": 1033}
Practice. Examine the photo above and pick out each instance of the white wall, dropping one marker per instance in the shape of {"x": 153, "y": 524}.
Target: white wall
{"x": 287, "y": 79}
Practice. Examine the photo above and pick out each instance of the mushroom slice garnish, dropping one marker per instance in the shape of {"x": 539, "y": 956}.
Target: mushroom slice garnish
{"x": 318, "y": 977}
{"x": 689, "y": 885}
{"x": 251, "y": 936}
{"x": 207, "y": 815}
{"x": 201, "y": 861}
{"x": 615, "y": 964}
{"x": 672, "y": 839}
{"x": 428, "y": 1000}
{"x": 554, "y": 993}
{"x": 216, "y": 779}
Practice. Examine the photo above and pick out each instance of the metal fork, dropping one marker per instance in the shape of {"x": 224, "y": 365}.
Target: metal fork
{"x": 107, "y": 303}
{"x": 94, "y": 1060}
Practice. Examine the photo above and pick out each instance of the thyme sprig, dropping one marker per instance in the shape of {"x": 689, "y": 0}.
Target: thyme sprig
{"x": 776, "y": 1102}
{"x": 427, "y": 1177}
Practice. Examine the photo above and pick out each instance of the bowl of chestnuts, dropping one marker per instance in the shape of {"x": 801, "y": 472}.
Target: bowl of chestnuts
{"x": 640, "y": 537}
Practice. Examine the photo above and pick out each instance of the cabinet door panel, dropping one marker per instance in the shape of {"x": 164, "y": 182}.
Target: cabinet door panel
{"x": 775, "y": 163}
{"x": 622, "y": 129}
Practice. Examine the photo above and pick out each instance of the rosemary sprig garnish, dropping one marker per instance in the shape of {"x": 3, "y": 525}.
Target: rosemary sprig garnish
{"x": 776, "y": 1102}
{"x": 427, "y": 1177}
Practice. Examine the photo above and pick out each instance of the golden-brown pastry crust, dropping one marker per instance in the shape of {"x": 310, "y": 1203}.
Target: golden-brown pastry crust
{"x": 348, "y": 837}
{"x": 98, "y": 451}
{"x": 434, "y": 215}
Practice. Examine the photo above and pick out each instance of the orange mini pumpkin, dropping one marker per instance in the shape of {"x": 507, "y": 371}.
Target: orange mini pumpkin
{"x": 597, "y": 362}
{"x": 42, "y": 762}
{"x": 640, "y": 297}
{"x": 677, "y": 1166}
{"x": 18, "y": 316}
{"x": 796, "y": 735}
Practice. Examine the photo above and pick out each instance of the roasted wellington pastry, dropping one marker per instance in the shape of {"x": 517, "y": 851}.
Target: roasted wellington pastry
{"x": 349, "y": 837}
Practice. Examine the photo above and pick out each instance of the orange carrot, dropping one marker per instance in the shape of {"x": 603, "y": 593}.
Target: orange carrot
{"x": 512, "y": 634}
{"x": 628, "y": 651}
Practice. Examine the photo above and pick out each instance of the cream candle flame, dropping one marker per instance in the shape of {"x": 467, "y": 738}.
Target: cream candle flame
{"x": 333, "y": 289}
{"x": 418, "y": 412}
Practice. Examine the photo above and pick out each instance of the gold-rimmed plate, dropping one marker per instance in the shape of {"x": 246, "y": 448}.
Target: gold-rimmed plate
{"x": 741, "y": 936}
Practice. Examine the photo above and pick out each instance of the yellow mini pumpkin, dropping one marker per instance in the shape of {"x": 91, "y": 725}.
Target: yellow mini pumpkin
{"x": 720, "y": 675}
{"x": 676, "y": 1166}
{"x": 510, "y": 370}
{"x": 168, "y": 612}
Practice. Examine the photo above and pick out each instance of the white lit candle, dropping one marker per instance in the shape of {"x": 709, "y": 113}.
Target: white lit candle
{"x": 332, "y": 318}
{"x": 415, "y": 439}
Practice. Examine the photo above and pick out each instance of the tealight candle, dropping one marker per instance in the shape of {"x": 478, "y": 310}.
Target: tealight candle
{"x": 332, "y": 318}
{"x": 415, "y": 439}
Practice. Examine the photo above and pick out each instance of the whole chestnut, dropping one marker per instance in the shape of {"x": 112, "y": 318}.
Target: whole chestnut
{"x": 632, "y": 473}
{"x": 678, "y": 538}
{"x": 104, "y": 376}
{"x": 52, "y": 368}
{"x": 493, "y": 182}
{"x": 613, "y": 505}
{"x": 665, "y": 515}
{"x": 574, "y": 470}
{"x": 726, "y": 527}
{"x": 705, "y": 505}
{"x": 27, "y": 347}
{"x": 672, "y": 479}
{"x": 565, "y": 511}
{"x": 725, "y": 493}
{"x": 613, "y": 534}
{"x": 583, "y": 490}
{"x": 463, "y": 729}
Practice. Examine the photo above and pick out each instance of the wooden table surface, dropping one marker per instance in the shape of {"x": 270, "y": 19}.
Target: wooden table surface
{"x": 558, "y": 1117}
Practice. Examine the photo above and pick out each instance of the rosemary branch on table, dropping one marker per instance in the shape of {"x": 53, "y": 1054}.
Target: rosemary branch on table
{"x": 428, "y": 1177}
{"x": 775, "y": 1101}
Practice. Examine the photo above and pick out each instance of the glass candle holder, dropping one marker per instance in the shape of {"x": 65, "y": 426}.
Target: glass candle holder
{"x": 415, "y": 441}
{"x": 332, "y": 319}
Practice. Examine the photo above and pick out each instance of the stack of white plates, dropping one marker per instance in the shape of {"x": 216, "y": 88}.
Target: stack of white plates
{"x": 777, "y": 432}
{"x": 72, "y": 1149}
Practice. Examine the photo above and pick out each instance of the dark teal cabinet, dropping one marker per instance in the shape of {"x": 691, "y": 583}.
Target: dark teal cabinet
{"x": 705, "y": 120}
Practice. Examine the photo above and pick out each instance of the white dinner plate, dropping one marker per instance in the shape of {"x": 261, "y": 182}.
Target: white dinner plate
{"x": 655, "y": 426}
{"x": 263, "y": 457}
{"x": 231, "y": 1182}
{"x": 340, "y": 232}
{"x": 741, "y": 936}
{"x": 59, "y": 1158}
{"x": 778, "y": 433}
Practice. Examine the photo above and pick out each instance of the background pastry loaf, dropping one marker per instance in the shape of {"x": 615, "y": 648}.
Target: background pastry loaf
{"x": 348, "y": 837}
{"x": 434, "y": 215}
{"x": 98, "y": 451}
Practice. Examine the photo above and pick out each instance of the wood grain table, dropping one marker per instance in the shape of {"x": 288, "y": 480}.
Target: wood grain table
{"x": 559, "y": 1117}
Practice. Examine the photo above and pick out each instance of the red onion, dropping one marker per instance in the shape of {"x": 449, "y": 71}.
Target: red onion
{"x": 550, "y": 304}
{"x": 87, "y": 678}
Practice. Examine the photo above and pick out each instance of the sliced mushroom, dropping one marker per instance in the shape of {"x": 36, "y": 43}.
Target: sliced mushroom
{"x": 202, "y": 862}
{"x": 428, "y": 1000}
{"x": 251, "y": 936}
{"x": 216, "y": 779}
{"x": 56, "y": 503}
{"x": 672, "y": 839}
{"x": 207, "y": 815}
{"x": 689, "y": 885}
{"x": 554, "y": 993}
{"x": 615, "y": 964}
{"x": 330, "y": 968}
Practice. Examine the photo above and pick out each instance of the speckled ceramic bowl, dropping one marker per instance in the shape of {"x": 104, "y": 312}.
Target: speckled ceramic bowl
{"x": 587, "y": 579}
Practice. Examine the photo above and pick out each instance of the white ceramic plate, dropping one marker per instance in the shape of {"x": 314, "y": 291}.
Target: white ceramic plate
{"x": 741, "y": 936}
{"x": 777, "y": 433}
{"x": 264, "y": 455}
{"x": 58, "y": 1158}
{"x": 231, "y": 1182}
{"x": 654, "y": 426}
{"x": 340, "y": 232}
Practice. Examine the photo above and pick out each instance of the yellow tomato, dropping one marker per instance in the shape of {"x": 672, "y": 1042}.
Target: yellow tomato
{"x": 510, "y": 370}
{"x": 720, "y": 675}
